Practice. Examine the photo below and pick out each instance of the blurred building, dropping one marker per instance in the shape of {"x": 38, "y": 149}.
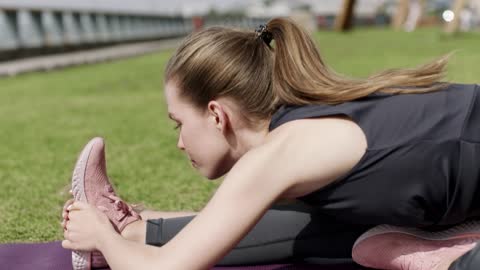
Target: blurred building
{"x": 31, "y": 27}
{"x": 52, "y": 25}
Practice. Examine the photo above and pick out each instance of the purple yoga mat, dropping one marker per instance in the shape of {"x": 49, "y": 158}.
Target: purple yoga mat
{"x": 51, "y": 256}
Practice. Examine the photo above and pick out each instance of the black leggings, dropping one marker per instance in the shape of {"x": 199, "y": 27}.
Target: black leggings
{"x": 288, "y": 234}
{"x": 285, "y": 234}
{"x": 469, "y": 261}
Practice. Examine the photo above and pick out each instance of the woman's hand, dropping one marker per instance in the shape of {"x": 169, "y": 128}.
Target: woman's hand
{"x": 85, "y": 227}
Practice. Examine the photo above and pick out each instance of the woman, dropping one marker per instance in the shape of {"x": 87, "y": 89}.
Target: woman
{"x": 398, "y": 148}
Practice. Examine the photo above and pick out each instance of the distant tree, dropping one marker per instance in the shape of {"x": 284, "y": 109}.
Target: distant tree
{"x": 344, "y": 20}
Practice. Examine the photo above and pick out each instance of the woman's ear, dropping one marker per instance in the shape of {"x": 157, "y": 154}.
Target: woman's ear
{"x": 218, "y": 115}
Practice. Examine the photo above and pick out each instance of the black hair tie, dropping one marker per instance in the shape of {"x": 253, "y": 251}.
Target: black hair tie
{"x": 264, "y": 34}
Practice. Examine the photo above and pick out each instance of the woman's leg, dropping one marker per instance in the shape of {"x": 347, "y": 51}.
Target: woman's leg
{"x": 469, "y": 261}
{"x": 286, "y": 233}
{"x": 150, "y": 214}
{"x": 137, "y": 231}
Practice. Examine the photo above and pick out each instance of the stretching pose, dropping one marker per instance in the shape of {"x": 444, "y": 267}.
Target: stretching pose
{"x": 401, "y": 148}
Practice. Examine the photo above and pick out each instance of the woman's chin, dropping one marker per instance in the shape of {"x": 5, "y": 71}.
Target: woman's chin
{"x": 198, "y": 169}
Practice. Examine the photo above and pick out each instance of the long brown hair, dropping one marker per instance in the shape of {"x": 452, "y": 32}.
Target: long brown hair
{"x": 225, "y": 62}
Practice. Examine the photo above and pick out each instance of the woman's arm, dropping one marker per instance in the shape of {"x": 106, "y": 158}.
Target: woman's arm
{"x": 258, "y": 179}
{"x": 303, "y": 162}
{"x": 247, "y": 192}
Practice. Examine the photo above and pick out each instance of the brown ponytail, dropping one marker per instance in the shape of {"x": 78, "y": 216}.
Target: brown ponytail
{"x": 300, "y": 75}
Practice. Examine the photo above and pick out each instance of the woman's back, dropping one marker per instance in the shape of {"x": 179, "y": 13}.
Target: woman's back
{"x": 416, "y": 169}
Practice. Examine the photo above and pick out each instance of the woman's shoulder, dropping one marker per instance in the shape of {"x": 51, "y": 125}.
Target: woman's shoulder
{"x": 317, "y": 151}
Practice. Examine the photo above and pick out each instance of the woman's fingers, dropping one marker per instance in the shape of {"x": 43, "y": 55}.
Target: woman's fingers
{"x": 77, "y": 205}
{"x": 64, "y": 224}
{"x": 67, "y": 203}
{"x": 65, "y": 206}
{"x": 65, "y": 213}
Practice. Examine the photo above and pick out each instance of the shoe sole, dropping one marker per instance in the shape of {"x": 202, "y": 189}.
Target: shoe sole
{"x": 81, "y": 259}
{"x": 470, "y": 229}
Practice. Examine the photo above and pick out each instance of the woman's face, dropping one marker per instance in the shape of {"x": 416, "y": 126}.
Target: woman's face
{"x": 200, "y": 134}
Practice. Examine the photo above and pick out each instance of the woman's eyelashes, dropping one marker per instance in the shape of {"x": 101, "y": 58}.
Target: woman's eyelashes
{"x": 177, "y": 126}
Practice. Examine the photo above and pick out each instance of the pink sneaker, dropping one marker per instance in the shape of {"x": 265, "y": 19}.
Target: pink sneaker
{"x": 400, "y": 248}
{"x": 90, "y": 184}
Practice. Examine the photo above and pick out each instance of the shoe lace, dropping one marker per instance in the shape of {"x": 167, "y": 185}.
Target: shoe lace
{"x": 120, "y": 206}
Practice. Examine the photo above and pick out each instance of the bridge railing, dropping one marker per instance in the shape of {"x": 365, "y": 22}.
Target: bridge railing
{"x": 30, "y": 29}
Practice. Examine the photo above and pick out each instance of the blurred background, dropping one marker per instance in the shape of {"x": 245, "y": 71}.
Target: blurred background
{"x": 30, "y": 27}
{"x": 73, "y": 70}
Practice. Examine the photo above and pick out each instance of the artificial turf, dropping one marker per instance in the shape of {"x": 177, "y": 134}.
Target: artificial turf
{"x": 46, "y": 118}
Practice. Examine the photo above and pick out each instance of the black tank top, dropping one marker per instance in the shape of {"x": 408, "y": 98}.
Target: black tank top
{"x": 422, "y": 164}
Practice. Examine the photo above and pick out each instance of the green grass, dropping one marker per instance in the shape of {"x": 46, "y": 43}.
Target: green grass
{"x": 46, "y": 118}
